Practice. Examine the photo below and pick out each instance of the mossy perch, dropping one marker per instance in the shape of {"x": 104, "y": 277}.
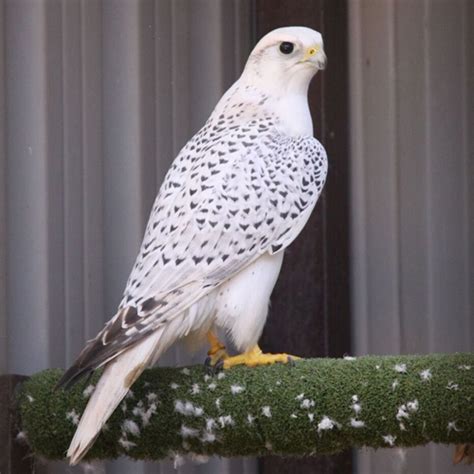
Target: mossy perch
{"x": 317, "y": 406}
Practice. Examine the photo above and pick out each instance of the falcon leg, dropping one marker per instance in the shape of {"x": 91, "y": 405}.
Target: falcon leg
{"x": 255, "y": 356}
{"x": 217, "y": 351}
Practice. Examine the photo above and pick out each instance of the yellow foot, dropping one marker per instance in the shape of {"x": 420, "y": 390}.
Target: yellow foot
{"x": 217, "y": 352}
{"x": 255, "y": 356}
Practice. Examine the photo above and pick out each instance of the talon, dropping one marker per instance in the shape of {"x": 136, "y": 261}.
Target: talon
{"x": 255, "y": 356}
{"x": 219, "y": 366}
{"x": 216, "y": 354}
{"x": 209, "y": 366}
{"x": 213, "y": 368}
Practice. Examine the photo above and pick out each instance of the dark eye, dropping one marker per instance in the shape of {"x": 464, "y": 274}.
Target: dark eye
{"x": 286, "y": 47}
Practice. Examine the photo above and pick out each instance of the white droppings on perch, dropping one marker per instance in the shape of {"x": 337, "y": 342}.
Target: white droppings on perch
{"x": 210, "y": 424}
{"x": 356, "y": 407}
{"x": 357, "y": 423}
{"x": 187, "y": 408}
{"x": 307, "y": 404}
{"x": 400, "y": 368}
{"x": 126, "y": 444}
{"x": 452, "y": 427}
{"x": 188, "y": 432}
{"x": 413, "y": 406}
{"x": 144, "y": 413}
{"x": 87, "y": 392}
{"x": 236, "y": 389}
{"x": 327, "y": 423}
{"x": 129, "y": 426}
{"x": 151, "y": 397}
{"x": 226, "y": 420}
{"x": 389, "y": 439}
{"x": 452, "y": 386}
{"x": 426, "y": 375}
{"x": 208, "y": 437}
{"x": 73, "y": 417}
{"x": 21, "y": 436}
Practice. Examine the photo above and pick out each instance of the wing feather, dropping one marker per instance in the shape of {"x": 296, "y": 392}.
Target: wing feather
{"x": 220, "y": 207}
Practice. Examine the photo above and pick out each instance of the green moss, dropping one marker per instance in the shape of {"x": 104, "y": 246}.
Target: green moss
{"x": 313, "y": 406}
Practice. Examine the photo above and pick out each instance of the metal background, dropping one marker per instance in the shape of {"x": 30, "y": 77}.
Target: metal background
{"x": 96, "y": 99}
{"x": 412, "y": 156}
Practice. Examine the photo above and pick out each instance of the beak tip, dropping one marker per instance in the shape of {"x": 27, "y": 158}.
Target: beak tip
{"x": 322, "y": 63}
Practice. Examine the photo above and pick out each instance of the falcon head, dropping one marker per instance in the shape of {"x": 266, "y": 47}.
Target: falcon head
{"x": 286, "y": 55}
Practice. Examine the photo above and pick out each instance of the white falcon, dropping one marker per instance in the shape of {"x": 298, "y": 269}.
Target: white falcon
{"x": 235, "y": 197}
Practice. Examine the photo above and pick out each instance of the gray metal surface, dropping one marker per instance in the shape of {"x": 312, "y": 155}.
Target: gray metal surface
{"x": 96, "y": 99}
{"x": 412, "y": 101}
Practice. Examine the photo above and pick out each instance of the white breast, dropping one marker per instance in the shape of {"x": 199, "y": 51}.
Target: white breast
{"x": 242, "y": 302}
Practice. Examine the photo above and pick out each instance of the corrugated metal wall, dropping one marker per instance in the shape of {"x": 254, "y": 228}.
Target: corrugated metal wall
{"x": 96, "y": 99}
{"x": 412, "y": 100}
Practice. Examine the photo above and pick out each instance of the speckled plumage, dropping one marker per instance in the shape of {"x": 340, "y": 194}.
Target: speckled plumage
{"x": 239, "y": 189}
{"x": 234, "y": 198}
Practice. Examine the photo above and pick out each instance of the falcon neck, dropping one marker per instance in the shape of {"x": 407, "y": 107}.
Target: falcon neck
{"x": 289, "y": 106}
{"x": 294, "y": 115}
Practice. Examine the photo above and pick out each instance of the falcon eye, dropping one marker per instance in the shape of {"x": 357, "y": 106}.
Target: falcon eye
{"x": 286, "y": 47}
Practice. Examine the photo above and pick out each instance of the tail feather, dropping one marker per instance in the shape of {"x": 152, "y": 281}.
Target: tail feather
{"x": 71, "y": 377}
{"x": 117, "y": 378}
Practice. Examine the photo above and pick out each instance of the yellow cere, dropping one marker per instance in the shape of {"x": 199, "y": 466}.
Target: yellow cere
{"x": 311, "y": 52}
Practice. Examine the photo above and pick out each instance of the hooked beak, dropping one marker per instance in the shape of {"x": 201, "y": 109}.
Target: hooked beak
{"x": 321, "y": 61}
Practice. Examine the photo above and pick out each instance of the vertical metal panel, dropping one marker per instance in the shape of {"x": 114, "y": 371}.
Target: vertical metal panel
{"x": 121, "y": 144}
{"x": 73, "y": 178}
{"x": 380, "y": 191}
{"x": 27, "y": 186}
{"x": 96, "y": 99}
{"x": 449, "y": 289}
{"x": 449, "y": 286}
{"x": 411, "y": 94}
{"x": 55, "y": 185}
{"x": 3, "y": 204}
{"x": 94, "y": 233}
{"x": 468, "y": 90}
{"x": 412, "y": 178}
